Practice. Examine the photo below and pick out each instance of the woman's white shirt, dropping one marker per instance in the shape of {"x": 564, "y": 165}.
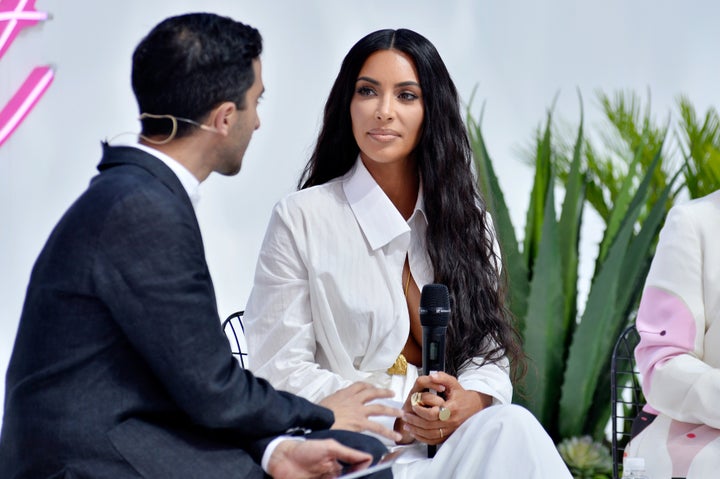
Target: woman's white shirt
{"x": 327, "y": 307}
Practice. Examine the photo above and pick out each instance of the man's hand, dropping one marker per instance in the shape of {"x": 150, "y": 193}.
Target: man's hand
{"x": 313, "y": 459}
{"x": 352, "y": 411}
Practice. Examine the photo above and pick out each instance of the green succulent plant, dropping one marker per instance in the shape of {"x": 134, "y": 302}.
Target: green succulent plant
{"x": 630, "y": 172}
{"x": 567, "y": 385}
{"x": 586, "y": 458}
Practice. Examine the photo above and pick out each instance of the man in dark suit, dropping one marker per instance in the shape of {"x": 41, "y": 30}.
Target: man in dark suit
{"x": 120, "y": 368}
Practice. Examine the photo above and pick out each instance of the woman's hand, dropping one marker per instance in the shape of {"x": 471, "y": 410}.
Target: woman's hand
{"x": 422, "y": 419}
{"x": 352, "y": 411}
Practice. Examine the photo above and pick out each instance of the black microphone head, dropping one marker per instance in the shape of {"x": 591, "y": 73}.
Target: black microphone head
{"x": 435, "y": 296}
{"x": 434, "y": 305}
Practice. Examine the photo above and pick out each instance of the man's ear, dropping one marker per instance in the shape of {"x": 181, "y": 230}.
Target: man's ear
{"x": 223, "y": 116}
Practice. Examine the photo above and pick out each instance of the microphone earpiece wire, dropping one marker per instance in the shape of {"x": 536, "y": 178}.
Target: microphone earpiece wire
{"x": 173, "y": 119}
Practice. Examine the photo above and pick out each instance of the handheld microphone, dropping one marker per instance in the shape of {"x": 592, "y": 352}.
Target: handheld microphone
{"x": 434, "y": 317}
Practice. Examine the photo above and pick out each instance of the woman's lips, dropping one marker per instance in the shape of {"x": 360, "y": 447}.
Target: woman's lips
{"x": 383, "y": 134}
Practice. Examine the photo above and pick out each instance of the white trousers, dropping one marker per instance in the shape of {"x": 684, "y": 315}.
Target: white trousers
{"x": 499, "y": 442}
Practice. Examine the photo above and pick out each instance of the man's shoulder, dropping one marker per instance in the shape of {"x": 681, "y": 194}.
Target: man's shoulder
{"x": 128, "y": 181}
{"x": 122, "y": 200}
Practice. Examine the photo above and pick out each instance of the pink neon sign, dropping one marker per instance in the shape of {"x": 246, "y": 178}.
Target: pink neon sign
{"x": 14, "y": 16}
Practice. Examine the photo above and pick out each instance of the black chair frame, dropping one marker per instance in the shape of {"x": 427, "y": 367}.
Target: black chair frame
{"x": 234, "y": 329}
{"x": 626, "y": 397}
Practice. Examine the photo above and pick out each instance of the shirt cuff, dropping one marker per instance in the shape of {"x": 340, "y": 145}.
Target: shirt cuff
{"x": 271, "y": 448}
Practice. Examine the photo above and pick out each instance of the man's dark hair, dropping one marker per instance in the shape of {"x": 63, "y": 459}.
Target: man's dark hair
{"x": 191, "y": 63}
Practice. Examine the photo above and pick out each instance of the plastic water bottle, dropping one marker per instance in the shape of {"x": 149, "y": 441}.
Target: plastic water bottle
{"x": 634, "y": 468}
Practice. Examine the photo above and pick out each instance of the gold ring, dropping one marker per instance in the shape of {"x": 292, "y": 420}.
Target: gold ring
{"x": 416, "y": 399}
{"x": 444, "y": 413}
{"x": 442, "y": 436}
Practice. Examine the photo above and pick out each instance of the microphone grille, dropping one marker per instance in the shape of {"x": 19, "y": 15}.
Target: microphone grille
{"x": 434, "y": 296}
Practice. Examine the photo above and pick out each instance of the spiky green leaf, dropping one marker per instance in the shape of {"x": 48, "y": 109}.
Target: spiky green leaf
{"x": 515, "y": 268}
{"x": 543, "y": 345}
{"x": 569, "y": 235}
{"x": 603, "y": 317}
{"x": 541, "y": 184}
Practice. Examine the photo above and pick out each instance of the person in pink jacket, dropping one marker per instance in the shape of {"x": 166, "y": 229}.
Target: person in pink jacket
{"x": 679, "y": 350}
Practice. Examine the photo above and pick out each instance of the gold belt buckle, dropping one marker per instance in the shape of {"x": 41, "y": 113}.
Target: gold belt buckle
{"x": 399, "y": 367}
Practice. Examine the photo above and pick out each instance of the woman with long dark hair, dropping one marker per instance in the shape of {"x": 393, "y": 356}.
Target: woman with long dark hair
{"x": 388, "y": 204}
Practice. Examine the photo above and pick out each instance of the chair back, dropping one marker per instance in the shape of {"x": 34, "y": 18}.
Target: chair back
{"x": 626, "y": 395}
{"x": 235, "y": 332}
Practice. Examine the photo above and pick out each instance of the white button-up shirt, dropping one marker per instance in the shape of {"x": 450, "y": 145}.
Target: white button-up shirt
{"x": 328, "y": 307}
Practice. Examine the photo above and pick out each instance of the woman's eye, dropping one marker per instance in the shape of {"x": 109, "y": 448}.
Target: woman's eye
{"x": 407, "y": 96}
{"x": 365, "y": 91}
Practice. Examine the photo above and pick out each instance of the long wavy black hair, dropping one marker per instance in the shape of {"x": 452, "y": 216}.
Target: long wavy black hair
{"x": 459, "y": 238}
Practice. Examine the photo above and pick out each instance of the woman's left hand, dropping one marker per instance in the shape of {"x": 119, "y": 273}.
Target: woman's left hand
{"x": 423, "y": 419}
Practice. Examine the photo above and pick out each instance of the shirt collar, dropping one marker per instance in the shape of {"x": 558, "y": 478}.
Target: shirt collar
{"x": 187, "y": 179}
{"x": 377, "y": 216}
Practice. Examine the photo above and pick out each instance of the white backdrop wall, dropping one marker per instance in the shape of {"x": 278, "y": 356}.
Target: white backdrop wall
{"x": 519, "y": 54}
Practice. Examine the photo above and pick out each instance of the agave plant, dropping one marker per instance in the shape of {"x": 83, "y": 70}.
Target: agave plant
{"x": 566, "y": 386}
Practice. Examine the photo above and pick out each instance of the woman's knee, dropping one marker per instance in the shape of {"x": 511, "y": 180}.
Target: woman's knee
{"x": 511, "y": 417}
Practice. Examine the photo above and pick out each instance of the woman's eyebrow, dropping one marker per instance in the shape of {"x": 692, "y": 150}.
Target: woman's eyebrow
{"x": 375, "y": 82}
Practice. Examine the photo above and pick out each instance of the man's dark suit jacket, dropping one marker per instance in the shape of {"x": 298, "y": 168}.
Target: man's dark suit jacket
{"x": 120, "y": 368}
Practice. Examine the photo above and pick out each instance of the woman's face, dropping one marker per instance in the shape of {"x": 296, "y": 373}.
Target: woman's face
{"x": 387, "y": 107}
